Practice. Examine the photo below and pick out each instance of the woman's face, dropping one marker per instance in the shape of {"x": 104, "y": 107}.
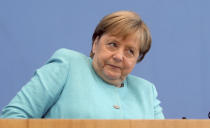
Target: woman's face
{"x": 114, "y": 57}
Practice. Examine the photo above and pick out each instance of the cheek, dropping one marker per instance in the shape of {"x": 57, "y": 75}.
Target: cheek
{"x": 100, "y": 61}
{"x": 104, "y": 57}
{"x": 129, "y": 66}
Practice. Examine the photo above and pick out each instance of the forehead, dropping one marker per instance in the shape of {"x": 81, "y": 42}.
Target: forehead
{"x": 134, "y": 37}
{"x": 124, "y": 33}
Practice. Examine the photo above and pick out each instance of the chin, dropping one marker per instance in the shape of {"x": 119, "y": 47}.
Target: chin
{"x": 112, "y": 76}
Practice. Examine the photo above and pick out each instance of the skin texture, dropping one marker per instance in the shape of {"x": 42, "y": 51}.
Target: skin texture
{"x": 115, "y": 57}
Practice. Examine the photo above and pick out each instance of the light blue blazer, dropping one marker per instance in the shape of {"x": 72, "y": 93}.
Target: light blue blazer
{"x": 68, "y": 87}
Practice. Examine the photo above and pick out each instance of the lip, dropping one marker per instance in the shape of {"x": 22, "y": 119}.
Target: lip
{"x": 114, "y": 66}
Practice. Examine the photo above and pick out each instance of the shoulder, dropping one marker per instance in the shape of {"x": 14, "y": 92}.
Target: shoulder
{"x": 138, "y": 82}
{"x": 67, "y": 53}
{"x": 64, "y": 55}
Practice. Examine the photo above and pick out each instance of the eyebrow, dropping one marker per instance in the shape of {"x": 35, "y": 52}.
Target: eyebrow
{"x": 114, "y": 39}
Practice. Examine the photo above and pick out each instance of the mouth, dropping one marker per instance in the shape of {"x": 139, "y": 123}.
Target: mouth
{"x": 113, "y": 66}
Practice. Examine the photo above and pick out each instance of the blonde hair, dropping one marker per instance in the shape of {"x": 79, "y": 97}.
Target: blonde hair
{"x": 122, "y": 24}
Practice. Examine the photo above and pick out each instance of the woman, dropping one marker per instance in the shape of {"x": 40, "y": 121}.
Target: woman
{"x": 72, "y": 85}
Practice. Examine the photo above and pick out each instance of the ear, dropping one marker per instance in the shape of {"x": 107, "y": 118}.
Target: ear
{"x": 95, "y": 43}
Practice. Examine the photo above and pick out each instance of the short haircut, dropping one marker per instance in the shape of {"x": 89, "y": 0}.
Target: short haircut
{"x": 122, "y": 24}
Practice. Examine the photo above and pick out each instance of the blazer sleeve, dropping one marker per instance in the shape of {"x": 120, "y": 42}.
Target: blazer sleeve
{"x": 42, "y": 91}
{"x": 158, "y": 114}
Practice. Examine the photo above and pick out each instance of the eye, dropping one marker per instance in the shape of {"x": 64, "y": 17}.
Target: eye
{"x": 112, "y": 44}
{"x": 130, "y": 51}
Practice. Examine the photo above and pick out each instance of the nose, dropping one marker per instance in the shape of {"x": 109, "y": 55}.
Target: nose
{"x": 118, "y": 56}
